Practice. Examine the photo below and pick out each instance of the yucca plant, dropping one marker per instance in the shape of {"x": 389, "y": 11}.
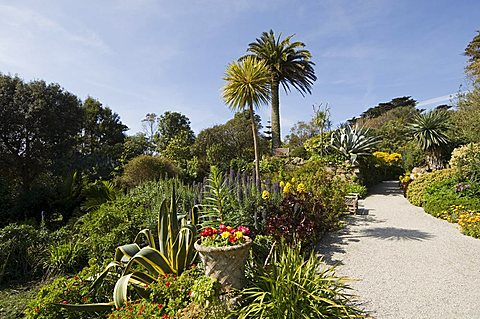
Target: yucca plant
{"x": 352, "y": 142}
{"x": 136, "y": 266}
{"x": 429, "y": 130}
{"x": 291, "y": 287}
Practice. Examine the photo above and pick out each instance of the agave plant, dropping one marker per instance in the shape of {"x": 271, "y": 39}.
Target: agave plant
{"x": 352, "y": 142}
{"x": 136, "y": 266}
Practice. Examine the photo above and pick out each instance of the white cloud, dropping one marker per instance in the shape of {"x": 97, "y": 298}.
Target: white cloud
{"x": 30, "y": 41}
{"x": 437, "y": 100}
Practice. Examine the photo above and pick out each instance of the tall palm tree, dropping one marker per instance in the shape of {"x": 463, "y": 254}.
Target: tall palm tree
{"x": 429, "y": 129}
{"x": 289, "y": 64}
{"x": 247, "y": 85}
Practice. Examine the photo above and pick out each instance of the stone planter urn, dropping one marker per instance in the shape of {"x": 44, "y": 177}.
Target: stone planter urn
{"x": 225, "y": 264}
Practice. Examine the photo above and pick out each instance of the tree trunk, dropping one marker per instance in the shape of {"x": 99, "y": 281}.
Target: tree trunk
{"x": 276, "y": 142}
{"x": 434, "y": 159}
{"x": 255, "y": 146}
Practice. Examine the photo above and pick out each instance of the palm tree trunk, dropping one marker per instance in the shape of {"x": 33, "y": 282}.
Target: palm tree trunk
{"x": 255, "y": 146}
{"x": 276, "y": 142}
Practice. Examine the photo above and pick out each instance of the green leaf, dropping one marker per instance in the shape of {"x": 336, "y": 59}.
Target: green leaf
{"x": 126, "y": 251}
{"x": 147, "y": 234}
{"x": 120, "y": 292}
{"x": 151, "y": 259}
{"x": 163, "y": 228}
{"x": 111, "y": 266}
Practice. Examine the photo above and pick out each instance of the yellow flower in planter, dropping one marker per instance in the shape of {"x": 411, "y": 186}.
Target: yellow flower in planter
{"x": 266, "y": 195}
{"x": 238, "y": 234}
{"x": 225, "y": 234}
{"x": 301, "y": 188}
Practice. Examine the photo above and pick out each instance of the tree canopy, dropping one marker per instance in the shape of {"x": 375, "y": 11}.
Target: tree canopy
{"x": 229, "y": 144}
{"x": 38, "y": 134}
{"x": 382, "y": 108}
{"x": 171, "y": 124}
{"x": 289, "y": 65}
{"x": 472, "y": 51}
{"x": 102, "y": 138}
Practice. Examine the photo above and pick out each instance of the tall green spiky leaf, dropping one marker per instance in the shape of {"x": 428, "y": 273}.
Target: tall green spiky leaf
{"x": 151, "y": 259}
{"x": 135, "y": 266}
{"x": 162, "y": 228}
{"x": 430, "y": 131}
{"x": 353, "y": 142}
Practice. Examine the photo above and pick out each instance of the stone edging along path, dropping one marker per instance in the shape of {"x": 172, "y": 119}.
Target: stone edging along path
{"x": 407, "y": 263}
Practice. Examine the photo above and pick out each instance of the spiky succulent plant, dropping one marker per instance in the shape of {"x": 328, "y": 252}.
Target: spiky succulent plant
{"x": 352, "y": 142}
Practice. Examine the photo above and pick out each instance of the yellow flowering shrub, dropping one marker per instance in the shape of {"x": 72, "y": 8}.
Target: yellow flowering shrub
{"x": 453, "y": 213}
{"x": 465, "y": 161}
{"x": 388, "y": 158}
{"x": 469, "y": 222}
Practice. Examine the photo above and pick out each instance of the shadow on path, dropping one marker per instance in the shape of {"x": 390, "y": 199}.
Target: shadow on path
{"x": 366, "y": 225}
{"x": 393, "y": 233}
{"x": 334, "y": 243}
{"x": 387, "y": 188}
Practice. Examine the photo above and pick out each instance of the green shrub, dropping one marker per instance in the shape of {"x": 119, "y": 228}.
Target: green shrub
{"x": 66, "y": 290}
{"x": 272, "y": 165}
{"x": 118, "y": 222}
{"x": 328, "y": 188}
{"x": 22, "y": 252}
{"x": 357, "y": 188}
{"x": 66, "y": 256}
{"x": 441, "y": 195}
{"x": 290, "y": 287}
{"x": 167, "y": 298}
{"x": 417, "y": 189}
{"x": 145, "y": 168}
{"x": 466, "y": 162}
{"x": 412, "y": 155}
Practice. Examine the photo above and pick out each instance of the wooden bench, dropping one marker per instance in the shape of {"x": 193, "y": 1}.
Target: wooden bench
{"x": 351, "y": 200}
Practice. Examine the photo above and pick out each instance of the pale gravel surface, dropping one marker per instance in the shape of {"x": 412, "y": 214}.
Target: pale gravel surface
{"x": 408, "y": 263}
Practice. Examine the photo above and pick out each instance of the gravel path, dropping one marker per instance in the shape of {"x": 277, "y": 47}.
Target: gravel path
{"x": 408, "y": 263}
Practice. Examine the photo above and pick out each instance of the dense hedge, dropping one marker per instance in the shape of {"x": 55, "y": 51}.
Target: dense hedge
{"x": 441, "y": 195}
{"x": 418, "y": 188}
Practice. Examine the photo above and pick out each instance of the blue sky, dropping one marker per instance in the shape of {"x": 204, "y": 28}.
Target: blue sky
{"x": 142, "y": 56}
